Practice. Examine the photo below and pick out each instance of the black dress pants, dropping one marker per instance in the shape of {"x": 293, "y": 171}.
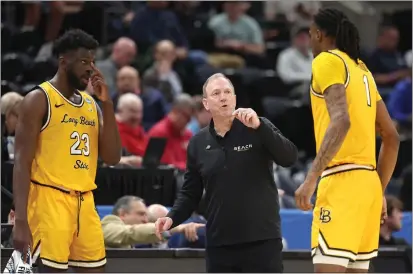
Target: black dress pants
{"x": 262, "y": 256}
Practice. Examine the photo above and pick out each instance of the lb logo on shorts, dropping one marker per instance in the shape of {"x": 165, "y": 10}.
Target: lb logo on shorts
{"x": 325, "y": 215}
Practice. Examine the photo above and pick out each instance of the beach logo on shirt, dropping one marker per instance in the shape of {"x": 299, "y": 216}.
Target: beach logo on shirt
{"x": 243, "y": 148}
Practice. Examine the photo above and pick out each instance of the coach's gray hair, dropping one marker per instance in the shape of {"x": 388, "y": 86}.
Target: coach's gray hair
{"x": 124, "y": 203}
{"x": 212, "y": 77}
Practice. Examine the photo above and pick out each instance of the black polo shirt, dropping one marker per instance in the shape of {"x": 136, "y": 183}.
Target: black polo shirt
{"x": 236, "y": 171}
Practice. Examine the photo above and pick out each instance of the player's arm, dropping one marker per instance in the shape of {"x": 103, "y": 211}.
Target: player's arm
{"x": 389, "y": 146}
{"x": 110, "y": 146}
{"x": 330, "y": 76}
{"x": 30, "y": 121}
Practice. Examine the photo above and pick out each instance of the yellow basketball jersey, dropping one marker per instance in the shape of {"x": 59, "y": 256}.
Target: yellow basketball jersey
{"x": 359, "y": 146}
{"x": 67, "y": 150}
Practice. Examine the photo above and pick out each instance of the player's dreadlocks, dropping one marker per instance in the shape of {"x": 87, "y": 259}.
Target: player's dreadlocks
{"x": 72, "y": 40}
{"x": 337, "y": 25}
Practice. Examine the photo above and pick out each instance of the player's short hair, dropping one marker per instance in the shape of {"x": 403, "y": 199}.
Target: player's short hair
{"x": 392, "y": 204}
{"x": 72, "y": 40}
{"x": 124, "y": 203}
{"x": 337, "y": 25}
{"x": 212, "y": 77}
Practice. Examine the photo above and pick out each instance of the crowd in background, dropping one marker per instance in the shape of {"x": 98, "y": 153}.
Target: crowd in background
{"x": 155, "y": 57}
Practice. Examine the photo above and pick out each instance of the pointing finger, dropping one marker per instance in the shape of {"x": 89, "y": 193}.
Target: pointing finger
{"x": 96, "y": 70}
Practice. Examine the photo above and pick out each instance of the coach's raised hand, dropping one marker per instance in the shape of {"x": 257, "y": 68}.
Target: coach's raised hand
{"x": 99, "y": 85}
{"x": 248, "y": 117}
{"x": 161, "y": 225}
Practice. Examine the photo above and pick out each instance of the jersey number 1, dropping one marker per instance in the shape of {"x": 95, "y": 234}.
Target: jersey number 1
{"x": 74, "y": 149}
{"x": 366, "y": 85}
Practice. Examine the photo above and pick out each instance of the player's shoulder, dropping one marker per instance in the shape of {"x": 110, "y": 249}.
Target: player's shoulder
{"x": 328, "y": 57}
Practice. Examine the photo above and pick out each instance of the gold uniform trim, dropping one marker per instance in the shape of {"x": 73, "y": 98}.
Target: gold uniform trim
{"x": 320, "y": 95}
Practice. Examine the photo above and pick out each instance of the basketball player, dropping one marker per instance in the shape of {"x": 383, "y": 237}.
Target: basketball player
{"x": 346, "y": 108}
{"x": 59, "y": 135}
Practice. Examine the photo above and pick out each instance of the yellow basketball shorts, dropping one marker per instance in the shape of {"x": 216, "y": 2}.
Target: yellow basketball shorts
{"x": 66, "y": 228}
{"x": 346, "y": 217}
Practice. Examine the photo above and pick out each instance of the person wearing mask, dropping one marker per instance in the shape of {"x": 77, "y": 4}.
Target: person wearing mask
{"x": 232, "y": 160}
{"x": 173, "y": 128}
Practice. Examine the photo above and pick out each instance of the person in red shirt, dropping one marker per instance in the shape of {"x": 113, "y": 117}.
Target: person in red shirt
{"x": 133, "y": 137}
{"x": 173, "y": 127}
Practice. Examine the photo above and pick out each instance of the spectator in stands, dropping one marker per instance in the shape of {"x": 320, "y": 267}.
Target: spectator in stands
{"x": 399, "y": 104}
{"x": 155, "y": 106}
{"x": 161, "y": 75}
{"x": 386, "y": 62}
{"x": 408, "y": 58}
{"x": 7, "y": 239}
{"x": 57, "y": 11}
{"x": 392, "y": 224}
{"x": 405, "y": 194}
{"x": 129, "y": 118}
{"x": 10, "y": 109}
{"x": 153, "y": 23}
{"x": 294, "y": 63}
{"x": 128, "y": 225}
{"x": 236, "y": 31}
{"x": 123, "y": 53}
{"x": 173, "y": 127}
{"x": 298, "y": 13}
{"x": 201, "y": 117}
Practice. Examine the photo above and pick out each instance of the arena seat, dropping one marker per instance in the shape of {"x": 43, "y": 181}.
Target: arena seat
{"x": 7, "y": 86}
{"x": 28, "y": 87}
{"x": 6, "y": 36}
{"x": 14, "y": 64}
{"x": 41, "y": 71}
{"x": 27, "y": 42}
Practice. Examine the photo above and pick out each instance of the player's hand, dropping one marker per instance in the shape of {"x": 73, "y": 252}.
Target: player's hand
{"x": 100, "y": 88}
{"x": 303, "y": 195}
{"x": 22, "y": 237}
{"x": 161, "y": 225}
{"x": 384, "y": 211}
{"x": 190, "y": 231}
{"x": 248, "y": 117}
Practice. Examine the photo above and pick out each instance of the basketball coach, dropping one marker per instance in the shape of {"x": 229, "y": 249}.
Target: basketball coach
{"x": 232, "y": 160}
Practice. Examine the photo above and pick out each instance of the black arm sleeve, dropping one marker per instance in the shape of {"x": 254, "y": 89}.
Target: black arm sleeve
{"x": 191, "y": 192}
{"x": 282, "y": 150}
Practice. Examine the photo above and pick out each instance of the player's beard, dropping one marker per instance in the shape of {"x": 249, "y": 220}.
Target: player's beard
{"x": 74, "y": 81}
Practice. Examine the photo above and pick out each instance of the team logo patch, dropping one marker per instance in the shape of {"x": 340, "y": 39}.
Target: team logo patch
{"x": 88, "y": 100}
{"x": 325, "y": 215}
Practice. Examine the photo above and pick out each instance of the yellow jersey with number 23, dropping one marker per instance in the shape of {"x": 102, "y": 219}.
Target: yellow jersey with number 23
{"x": 67, "y": 150}
{"x": 336, "y": 67}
